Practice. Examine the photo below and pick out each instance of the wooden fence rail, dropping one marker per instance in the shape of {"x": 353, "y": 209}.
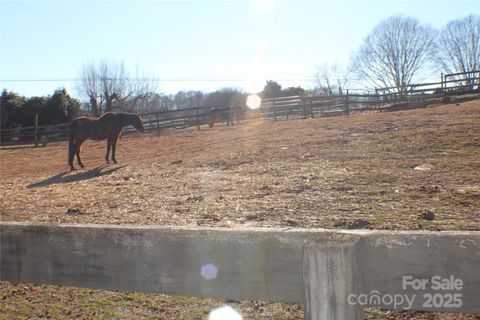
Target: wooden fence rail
{"x": 277, "y": 108}
{"x": 334, "y": 273}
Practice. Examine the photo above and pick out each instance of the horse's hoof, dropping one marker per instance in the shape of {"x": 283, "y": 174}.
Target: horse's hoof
{"x": 115, "y": 161}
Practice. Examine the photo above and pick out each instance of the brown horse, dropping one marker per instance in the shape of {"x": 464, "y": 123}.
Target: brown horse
{"x": 219, "y": 114}
{"x": 236, "y": 113}
{"x": 225, "y": 114}
{"x": 108, "y": 126}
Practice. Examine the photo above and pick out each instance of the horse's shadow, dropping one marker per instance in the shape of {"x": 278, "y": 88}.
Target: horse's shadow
{"x": 64, "y": 178}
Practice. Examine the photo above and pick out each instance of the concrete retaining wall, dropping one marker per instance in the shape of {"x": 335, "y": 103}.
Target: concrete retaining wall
{"x": 249, "y": 264}
{"x": 436, "y": 271}
{"x": 332, "y": 272}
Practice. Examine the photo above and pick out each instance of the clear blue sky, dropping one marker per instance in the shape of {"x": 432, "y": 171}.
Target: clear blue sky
{"x": 194, "y": 44}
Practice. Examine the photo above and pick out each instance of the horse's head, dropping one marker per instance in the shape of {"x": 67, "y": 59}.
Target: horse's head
{"x": 137, "y": 123}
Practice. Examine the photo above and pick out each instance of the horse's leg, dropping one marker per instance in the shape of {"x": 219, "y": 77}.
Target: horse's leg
{"x": 76, "y": 151}
{"x": 109, "y": 146}
{"x": 71, "y": 154}
{"x": 71, "y": 139}
{"x": 114, "y": 146}
{"x": 78, "y": 158}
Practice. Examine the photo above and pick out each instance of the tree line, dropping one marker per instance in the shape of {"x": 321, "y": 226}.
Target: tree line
{"x": 60, "y": 107}
{"x": 18, "y": 110}
{"x": 393, "y": 55}
{"x": 221, "y": 97}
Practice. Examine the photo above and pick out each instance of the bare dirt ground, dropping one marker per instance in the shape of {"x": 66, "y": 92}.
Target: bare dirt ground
{"x": 416, "y": 169}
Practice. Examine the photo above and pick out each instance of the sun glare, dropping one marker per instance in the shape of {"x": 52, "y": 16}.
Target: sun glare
{"x": 262, "y": 46}
{"x": 262, "y": 6}
{"x": 224, "y": 313}
{"x": 256, "y": 77}
{"x": 254, "y": 101}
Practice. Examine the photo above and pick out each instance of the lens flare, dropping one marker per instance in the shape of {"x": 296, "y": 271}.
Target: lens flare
{"x": 209, "y": 271}
{"x": 257, "y": 74}
{"x": 224, "y": 313}
{"x": 254, "y": 101}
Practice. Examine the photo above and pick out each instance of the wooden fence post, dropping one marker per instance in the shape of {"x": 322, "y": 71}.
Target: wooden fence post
{"x": 36, "y": 130}
{"x": 197, "y": 118}
{"x": 311, "y": 108}
{"x": 304, "y": 108}
{"x": 444, "y": 96}
{"x": 478, "y": 80}
{"x": 158, "y": 125}
{"x": 441, "y": 84}
{"x": 445, "y": 82}
{"x": 347, "y": 110}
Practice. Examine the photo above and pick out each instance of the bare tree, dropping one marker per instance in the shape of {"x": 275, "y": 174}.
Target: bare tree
{"x": 394, "y": 52}
{"x": 108, "y": 83}
{"x": 459, "y": 47}
{"x": 330, "y": 79}
{"x": 139, "y": 89}
{"x": 195, "y": 98}
{"x": 113, "y": 83}
{"x": 90, "y": 87}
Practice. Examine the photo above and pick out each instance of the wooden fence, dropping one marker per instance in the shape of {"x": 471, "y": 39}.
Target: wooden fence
{"x": 281, "y": 108}
{"x": 382, "y": 99}
{"x": 39, "y": 135}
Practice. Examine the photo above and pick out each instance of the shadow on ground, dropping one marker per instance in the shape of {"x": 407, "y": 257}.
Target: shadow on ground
{"x": 67, "y": 177}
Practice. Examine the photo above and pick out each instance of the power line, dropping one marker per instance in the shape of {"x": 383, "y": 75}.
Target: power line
{"x": 159, "y": 79}
{"x": 198, "y": 79}
{"x": 179, "y": 79}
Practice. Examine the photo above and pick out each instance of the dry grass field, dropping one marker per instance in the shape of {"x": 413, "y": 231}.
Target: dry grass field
{"x": 415, "y": 169}
{"x": 325, "y": 172}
